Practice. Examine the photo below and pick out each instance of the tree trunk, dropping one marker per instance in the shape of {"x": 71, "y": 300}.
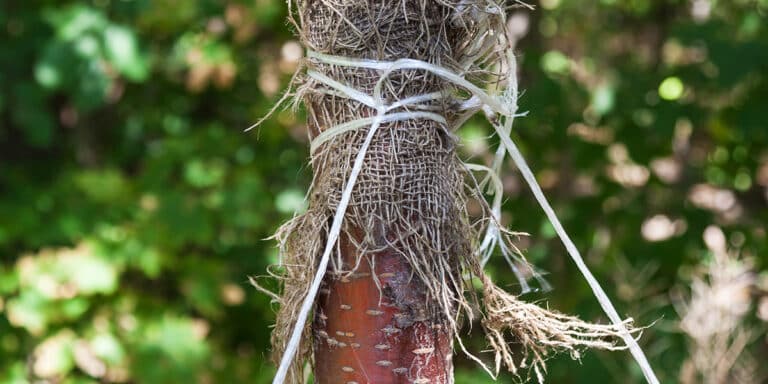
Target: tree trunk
{"x": 387, "y": 226}
{"x": 376, "y": 325}
{"x": 363, "y": 335}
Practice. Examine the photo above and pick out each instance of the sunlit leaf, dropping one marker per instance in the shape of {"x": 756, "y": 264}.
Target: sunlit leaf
{"x": 555, "y": 62}
{"x": 290, "y": 201}
{"x": 28, "y": 311}
{"x": 123, "y": 51}
{"x": 106, "y": 346}
{"x": 75, "y": 20}
{"x": 53, "y": 357}
{"x": 671, "y": 88}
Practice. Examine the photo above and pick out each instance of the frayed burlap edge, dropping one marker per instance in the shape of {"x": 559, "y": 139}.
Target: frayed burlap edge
{"x": 457, "y": 248}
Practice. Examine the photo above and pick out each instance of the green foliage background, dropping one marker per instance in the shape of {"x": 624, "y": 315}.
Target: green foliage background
{"x": 133, "y": 207}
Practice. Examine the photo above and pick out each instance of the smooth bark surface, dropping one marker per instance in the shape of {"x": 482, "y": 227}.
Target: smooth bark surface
{"x": 370, "y": 334}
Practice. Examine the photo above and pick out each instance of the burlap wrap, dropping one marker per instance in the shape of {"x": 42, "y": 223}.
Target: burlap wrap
{"x": 412, "y": 190}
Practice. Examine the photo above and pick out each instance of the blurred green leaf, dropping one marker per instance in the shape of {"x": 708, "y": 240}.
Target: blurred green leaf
{"x": 291, "y": 202}
{"x": 123, "y": 51}
{"x": 205, "y": 174}
{"x": 555, "y": 62}
{"x": 107, "y": 347}
{"x": 603, "y": 99}
{"x": 103, "y": 185}
{"x": 671, "y": 88}
{"x": 28, "y": 310}
{"x": 91, "y": 274}
{"x": 9, "y": 281}
{"x": 54, "y": 356}
{"x": 74, "y": 21}
{"x": 170, "y": 350}
{"x": 15, "y": 374}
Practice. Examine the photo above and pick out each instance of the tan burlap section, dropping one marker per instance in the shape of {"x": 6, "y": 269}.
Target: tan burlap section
{"x": 413, "y": 189}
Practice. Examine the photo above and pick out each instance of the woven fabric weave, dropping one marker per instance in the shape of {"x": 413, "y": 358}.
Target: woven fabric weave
{"x": 412, "y": 190}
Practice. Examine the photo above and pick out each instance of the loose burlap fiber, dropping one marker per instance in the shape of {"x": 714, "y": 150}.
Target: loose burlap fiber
{"x": 412, "y": 191}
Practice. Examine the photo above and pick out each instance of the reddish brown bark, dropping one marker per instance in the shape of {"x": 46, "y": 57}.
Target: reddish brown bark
{"x": 366, "y": 334}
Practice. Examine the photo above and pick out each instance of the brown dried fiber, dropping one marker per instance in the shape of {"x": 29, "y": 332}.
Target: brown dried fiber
{"x": 412, "y": 191}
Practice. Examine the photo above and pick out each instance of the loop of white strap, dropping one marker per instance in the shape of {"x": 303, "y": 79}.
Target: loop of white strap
{"x": 332, "y": 132}
{"x": 500, "y": 105}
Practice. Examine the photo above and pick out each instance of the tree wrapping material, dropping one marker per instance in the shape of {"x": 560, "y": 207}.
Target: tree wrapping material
{"x": 386, "y": 84}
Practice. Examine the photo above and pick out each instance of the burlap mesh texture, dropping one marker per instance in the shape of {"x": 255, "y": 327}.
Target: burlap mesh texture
{"x": 411, "y": 193}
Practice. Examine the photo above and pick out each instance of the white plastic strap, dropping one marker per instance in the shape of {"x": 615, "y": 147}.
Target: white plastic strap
{"x": 503, "y": 107}
{"x": 367, "y": 121}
